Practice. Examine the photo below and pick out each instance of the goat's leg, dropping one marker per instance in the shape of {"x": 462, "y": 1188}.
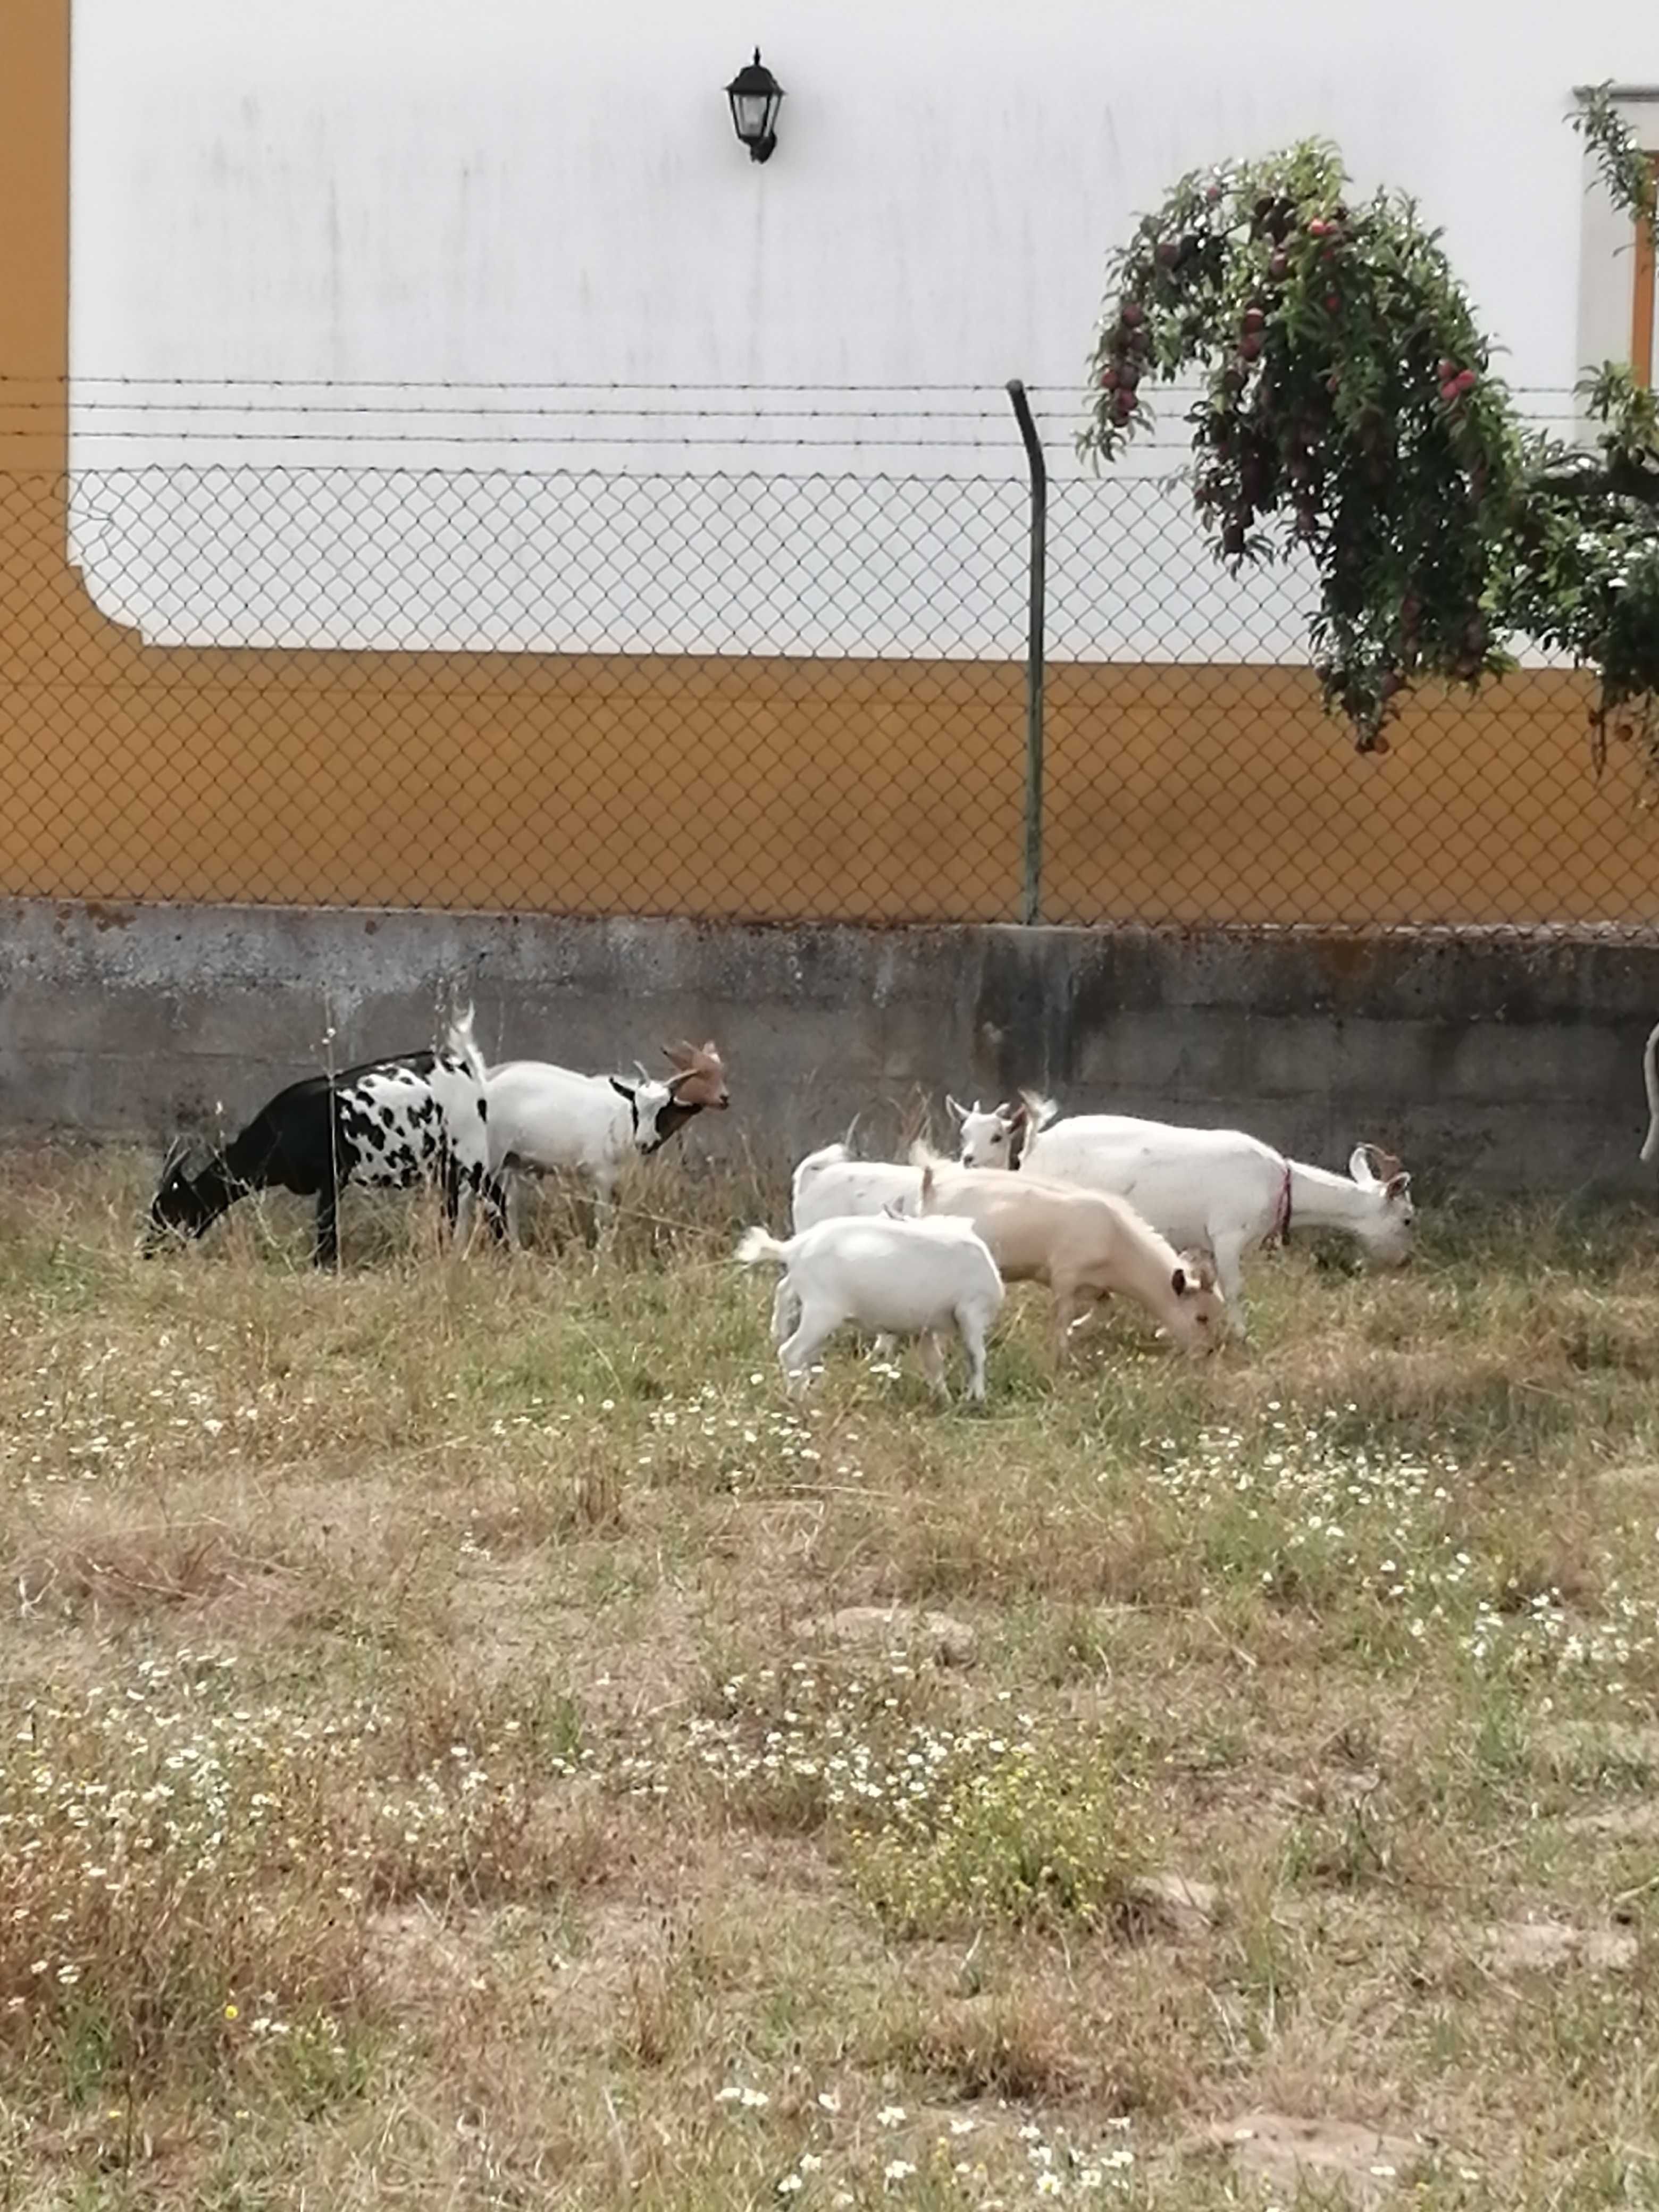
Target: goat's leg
{"x": 930, "y": 1350}
{"x": 786, "y": 1309}
{"x": 970, "y": 1326}
{"x": 797, "y": 1353}
{"x": 1066, "y": 1313}
{"x": 603, "y": 1216}
{"x": 513, "y": 1212}
{"x": 459, "y": 1186}
{"x": 492, "y": 1206}
{"x": 466, "y": 1209}
{"x": 1228, "y": 1253}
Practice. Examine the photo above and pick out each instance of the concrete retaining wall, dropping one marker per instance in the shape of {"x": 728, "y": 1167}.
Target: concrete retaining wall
{"x": 1510, "y": 1063}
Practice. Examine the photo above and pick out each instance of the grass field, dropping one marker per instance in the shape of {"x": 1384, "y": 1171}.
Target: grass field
{"x": 469, "y": 1741}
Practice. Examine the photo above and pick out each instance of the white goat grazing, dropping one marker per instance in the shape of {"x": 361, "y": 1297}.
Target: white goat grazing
{"x": 830, "y": 1184}
{"x": 905, "y": 1278}
{"x": 1085, "y": 1244}
{"x": 544, "y": 1118}
{"x": 1216, "y": 1189}
{"x": 1651, "y": 1078}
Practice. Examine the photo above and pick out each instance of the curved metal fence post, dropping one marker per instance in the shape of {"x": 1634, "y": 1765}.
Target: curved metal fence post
{"x": 1031, "y": 901}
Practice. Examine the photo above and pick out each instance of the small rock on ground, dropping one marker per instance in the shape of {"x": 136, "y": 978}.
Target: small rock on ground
{"x": 1185, "y": 1907}
{"x": 953, "y": 1640}
{"x": 1541, "y": 1946}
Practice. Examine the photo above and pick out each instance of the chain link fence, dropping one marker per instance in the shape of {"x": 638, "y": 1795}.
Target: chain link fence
{"x": 770, "y": 694}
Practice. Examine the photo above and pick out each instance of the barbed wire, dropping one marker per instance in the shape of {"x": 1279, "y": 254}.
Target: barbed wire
{"x": 76, "y": 379}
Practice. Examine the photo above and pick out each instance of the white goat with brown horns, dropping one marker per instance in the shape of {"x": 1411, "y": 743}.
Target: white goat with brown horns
{"x": 544, "y": 1119}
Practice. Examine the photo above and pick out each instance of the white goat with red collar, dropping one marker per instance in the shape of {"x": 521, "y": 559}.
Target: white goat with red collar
{"x": 1219, "y": 1190}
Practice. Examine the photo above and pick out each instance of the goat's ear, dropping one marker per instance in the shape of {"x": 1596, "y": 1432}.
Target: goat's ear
{"x": 955, "y": 1109}
{"x": 627, "y": 1089}
{"x": 1397, "y": 1185}
{"x": 1200, "y": 1271}
{"x": 1360, "y": 1168}
{"x": 1017, "y": 1115}
{"x": 1178, "y": 1282}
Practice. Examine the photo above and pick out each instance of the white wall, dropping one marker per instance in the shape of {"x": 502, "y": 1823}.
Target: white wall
{"x": 533, "y": 200}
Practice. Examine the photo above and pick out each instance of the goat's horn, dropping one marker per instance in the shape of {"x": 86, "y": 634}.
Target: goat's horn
{"x": 851, "y": 1128}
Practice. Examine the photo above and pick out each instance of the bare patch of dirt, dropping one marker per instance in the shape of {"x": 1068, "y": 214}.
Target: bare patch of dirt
{"x": 1544, "y": 1946}
{"x": 1362, "y": 2163}
{"x": 1633, "y": 1823}
{"x": 1590, "y": 1747}
{"x": 420, "y": 1956}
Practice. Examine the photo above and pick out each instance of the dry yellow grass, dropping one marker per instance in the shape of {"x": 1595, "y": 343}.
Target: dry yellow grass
{"x": 470, "y": 1741}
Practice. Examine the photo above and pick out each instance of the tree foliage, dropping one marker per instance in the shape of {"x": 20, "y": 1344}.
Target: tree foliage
{"x": 1349, "y": 410}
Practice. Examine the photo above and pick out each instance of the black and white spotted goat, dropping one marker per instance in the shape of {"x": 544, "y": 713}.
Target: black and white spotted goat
{"x": 386, "y": 1125}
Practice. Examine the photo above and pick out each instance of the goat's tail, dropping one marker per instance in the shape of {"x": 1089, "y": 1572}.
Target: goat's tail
{"x": 827, "y": 1156}
{"x": 464, "y": 1045}
{"x": 1650, "y": 1078}
{"x": 757, "y": 1244}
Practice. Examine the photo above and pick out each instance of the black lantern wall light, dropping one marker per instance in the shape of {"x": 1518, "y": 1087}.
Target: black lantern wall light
{"x": 755, "y": 94}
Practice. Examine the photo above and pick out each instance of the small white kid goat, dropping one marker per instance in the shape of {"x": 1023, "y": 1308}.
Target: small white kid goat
{"x": 544, "y": 1118}
{"x": 1218, "y": 1190}
{"x": 1085, "y": 1244}
{"x": 904, "y": 1277}
{"x": 831, "y": 1183}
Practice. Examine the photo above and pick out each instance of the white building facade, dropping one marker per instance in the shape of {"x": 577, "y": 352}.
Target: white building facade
{"x": 521, "y": 242}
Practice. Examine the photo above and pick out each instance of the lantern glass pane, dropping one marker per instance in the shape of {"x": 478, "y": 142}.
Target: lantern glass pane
{"x": 749, "y": 113}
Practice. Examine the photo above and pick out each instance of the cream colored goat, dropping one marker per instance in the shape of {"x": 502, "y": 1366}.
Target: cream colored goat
{"x": 1084, "y": 1244}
